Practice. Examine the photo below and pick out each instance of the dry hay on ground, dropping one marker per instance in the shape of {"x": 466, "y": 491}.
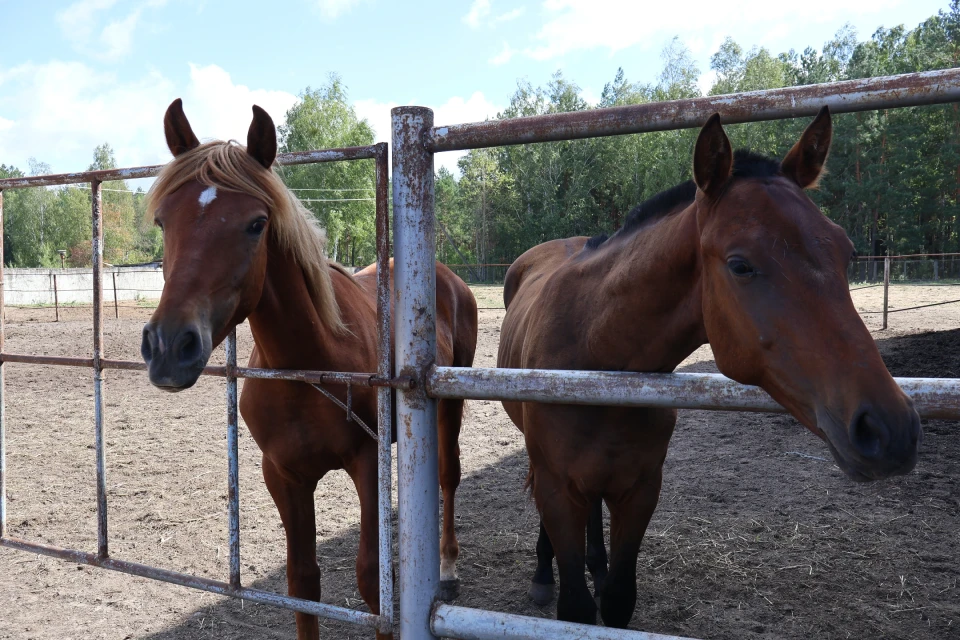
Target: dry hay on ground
{"x": 757, "y": 533}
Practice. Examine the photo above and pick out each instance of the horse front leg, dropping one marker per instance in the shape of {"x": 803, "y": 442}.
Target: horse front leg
{"x": 294, "y": 501}
{"x": 629, "y": 516}
{"x": 449, "y": 417}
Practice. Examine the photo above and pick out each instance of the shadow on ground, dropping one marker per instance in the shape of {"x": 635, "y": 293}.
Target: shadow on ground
{"x": 757, "y": 533}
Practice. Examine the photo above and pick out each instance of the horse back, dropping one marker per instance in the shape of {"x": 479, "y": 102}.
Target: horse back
{"x": 457, "y": 322}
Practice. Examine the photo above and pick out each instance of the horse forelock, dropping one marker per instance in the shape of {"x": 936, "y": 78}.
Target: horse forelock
{"x": 228, "y": 166}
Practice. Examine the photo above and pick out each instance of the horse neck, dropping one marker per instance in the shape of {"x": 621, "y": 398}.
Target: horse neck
{"x": 653, "y": 294}
{"x": 286, "y": 327}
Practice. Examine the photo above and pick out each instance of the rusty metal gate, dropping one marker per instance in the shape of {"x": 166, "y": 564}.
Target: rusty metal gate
{"x": 419, "y": 382}
{"x": 415, "y": 141}
{"x": 382, "y": 380}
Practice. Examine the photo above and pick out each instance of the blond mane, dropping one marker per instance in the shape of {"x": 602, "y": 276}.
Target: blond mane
{"x": 227, "y": 165}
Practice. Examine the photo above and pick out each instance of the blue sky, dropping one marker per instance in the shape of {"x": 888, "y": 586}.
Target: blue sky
{"x": 75, "y": 74}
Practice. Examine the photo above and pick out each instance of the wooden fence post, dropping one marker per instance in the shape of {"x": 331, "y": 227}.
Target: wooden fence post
{"x": 56, "y": 299}
{"x": 886, "y": 288}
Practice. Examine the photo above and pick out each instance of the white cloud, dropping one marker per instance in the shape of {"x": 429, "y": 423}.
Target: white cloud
{"x": 331, "y": 9}
{"x": 378, "y": 115}
{"x": 80, "y": 24}
{"x": 574, "y": 25}
{"x": 479, "y": 10}
{"x": 456, "y": 110}
{"x": 219, "y": 109}
{"x": 480, "y": 15}
{"x": 62, "y": 110}
{"x": 509, "y": 15}
{"x": 503, "y": 57}
{"x": 59, "y": 111}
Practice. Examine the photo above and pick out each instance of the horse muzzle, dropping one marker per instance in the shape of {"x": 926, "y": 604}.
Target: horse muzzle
{"x": 175, "y": 355}
{"x": 878, "y": 442}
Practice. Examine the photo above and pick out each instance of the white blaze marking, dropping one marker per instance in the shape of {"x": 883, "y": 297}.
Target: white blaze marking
{"x": 207, "y": 196}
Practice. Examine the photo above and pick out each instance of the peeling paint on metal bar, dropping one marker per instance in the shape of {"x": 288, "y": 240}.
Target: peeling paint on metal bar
{"x": 450, "y": 621}
{"x": 195, "y": 582}
{"x": 934, "y": 397}
{"x": 415, "y": 341}
{"x": 296, "y": 375}
{"x": 3, "y": 403}
{"x": 151, "y": 171}
{"x": 384, "y": 394}
{"x": 866, "y": 94}
{"x": 96, "y": 206}
{"x": 233, "y": 464}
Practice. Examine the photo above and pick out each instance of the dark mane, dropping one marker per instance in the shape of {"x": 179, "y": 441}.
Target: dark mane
{"x": 746, "y": 164}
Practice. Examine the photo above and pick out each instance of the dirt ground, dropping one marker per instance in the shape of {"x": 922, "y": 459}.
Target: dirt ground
{"x": 757, "y": 534}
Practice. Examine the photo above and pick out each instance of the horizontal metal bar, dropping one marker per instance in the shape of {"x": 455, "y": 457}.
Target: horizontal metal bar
{"x": 151, "y": 171}
{"x": 450, "y": 621}
{"x": 195, "y": 582}
{"x": 328, "y": 155}
{"x": 866, "y": 94}
{"x": 934, "y": 397}
{"x": 313, "y": 377}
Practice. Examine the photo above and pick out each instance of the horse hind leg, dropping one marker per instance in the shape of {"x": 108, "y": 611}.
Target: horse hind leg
{"x": 543, "y": 587}
{"x": 364, "y": 476}
{"x": 450, "y": 417}
{"x": 596, "y": 549}
{"x": 565, "y": 521}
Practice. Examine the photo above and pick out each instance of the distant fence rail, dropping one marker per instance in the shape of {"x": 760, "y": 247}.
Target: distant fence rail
{"x": 29, "y": 287}
{"x": 920, "y": 267}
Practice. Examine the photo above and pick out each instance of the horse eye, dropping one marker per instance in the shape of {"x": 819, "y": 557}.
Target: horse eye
{"x": 740, "y": 268}
{"x": 256, "y": 228}
{"x": 158, "y": 223}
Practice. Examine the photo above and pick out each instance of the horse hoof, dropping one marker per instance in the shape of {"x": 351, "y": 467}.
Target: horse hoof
{"x": 449, "y": 589}
{"x": 542, "y": 594}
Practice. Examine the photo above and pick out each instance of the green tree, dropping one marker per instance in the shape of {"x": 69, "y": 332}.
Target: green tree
{"x": 340, "y": 194}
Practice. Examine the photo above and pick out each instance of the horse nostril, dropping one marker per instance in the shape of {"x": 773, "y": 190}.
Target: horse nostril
{"x": 869, "y": 435}
{"x": 189, "y": 347}
{"x": 146, "y": 344}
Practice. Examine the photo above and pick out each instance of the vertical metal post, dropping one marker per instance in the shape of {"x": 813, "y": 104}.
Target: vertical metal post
{"x": 886, "y": 288}
{"x": 415, "y": 338}
{"x": 116, "y": 308}
{"x": 936, "y": 270}
{"x": 56, "y": 300}
{"x": 233, "y": 471}
{"x": 384, "y": 394}
{"x": 3, "y": 400}
{"x": 97, "y": 217}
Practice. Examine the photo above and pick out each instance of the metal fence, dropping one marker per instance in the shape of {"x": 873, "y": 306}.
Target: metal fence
{"x": 417, "y": 379}
{"x": 415, "y": 141}
{"x": 906, "y": 269}
{"x": 382, "y": 379}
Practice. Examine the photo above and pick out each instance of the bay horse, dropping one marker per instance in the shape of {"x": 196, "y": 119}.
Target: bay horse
{"x": 739, "y": 258}
{"x": 238, "y": 245}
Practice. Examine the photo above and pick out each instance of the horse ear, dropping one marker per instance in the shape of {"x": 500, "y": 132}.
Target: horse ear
{"x": 712, "y": 157}
{"x": 176, "y": 127}
{"x": 262, "y": 138}
{"x": 804, "y": 163}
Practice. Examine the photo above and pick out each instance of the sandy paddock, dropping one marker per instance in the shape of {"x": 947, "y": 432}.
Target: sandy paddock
{"x": 757, "y": 533}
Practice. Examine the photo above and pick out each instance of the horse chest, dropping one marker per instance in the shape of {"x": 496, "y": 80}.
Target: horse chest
{"x": 298, "y": 428}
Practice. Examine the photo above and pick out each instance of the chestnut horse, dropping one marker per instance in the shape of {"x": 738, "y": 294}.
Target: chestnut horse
{"x": 739, "y": 258}
{"x": 238, "y": 245}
